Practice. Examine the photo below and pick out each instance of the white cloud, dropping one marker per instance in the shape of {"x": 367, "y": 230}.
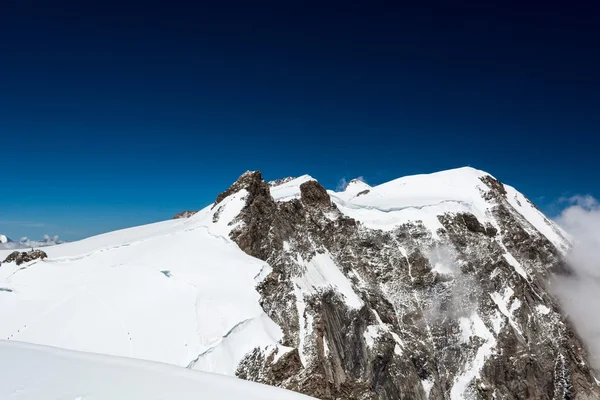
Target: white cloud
{"x": 26, "y": 243}
{"x": 584, "y": 201}
{"x": 579, "y": 293}
{"x": 342, "y": 184}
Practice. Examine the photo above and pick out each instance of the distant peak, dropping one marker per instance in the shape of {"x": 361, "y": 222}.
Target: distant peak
{"x": 355, "y": 186}
{"x": 281, "y": 181}
{"x": 184, "y": 214}
{"x": 358, "y": 181}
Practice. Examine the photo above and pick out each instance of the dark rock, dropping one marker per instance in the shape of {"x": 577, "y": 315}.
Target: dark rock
{"x": 362, "y": 192}
{"x": 184, "y": 214}
{"x": 472, "y": 223}
{"x": 490, "y": 230}
{"x": 312, "y": 193}
{"x": 23, "y": 257}
{"x": 250, "y": 180}
{"x": 494, "y": 184}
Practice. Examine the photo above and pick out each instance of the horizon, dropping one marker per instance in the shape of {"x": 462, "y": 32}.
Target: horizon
{"x": 114, "y": 115}
{"x": 559, "y": 205}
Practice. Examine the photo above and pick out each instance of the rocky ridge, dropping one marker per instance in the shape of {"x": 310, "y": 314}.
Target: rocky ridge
{"x": 184, "y": 214}
{"x": 411, "y": 312}
{"x": 20, "y": 257}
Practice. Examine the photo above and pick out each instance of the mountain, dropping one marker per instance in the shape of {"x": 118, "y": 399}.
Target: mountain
{"x": 26, "y": 243}
{"x": 39, "y": 373}
{"x": 426, "y": 287}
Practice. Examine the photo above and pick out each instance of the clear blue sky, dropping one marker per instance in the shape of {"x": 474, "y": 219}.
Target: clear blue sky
{"x": 116, "y": 114}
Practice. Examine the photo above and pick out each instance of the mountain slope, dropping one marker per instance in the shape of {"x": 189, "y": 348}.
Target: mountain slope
{"x": 431, "y": 286}
{"x": 178, "y": 292}
{"x": 34, "y": 372}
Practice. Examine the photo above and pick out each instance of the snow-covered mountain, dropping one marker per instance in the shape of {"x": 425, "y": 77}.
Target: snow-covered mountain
{"x": 26, "y": 243}
{"x": 35, "y": 372}
{"x": 425, "y": 287}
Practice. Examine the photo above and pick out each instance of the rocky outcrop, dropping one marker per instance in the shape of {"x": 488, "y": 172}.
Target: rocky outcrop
{"x": 278, "y": 182}
{"x": 312, "y": 193}
{"x": 24, "y": 257}
{"x": 459, "y": 313}
{"x": 184, "y": 214}
{"x": 250, "y": 180}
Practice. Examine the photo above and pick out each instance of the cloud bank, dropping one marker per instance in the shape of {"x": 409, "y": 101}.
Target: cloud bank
{"x": 579, "y": 293}
{"x": 26, "y": 243}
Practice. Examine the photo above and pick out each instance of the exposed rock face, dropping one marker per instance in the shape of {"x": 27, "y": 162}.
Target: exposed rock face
{"x": 458, "y": 313}
{"x": 278, "y": 182}
{"x": 23, "y": 257}
{"x": 184, "y": 214}
{"x": 312, "y": 193}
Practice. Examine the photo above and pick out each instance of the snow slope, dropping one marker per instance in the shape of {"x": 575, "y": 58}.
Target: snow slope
{"x": 179, "y": 292}
{"x": 32, "y": 372}
{"x": 424, "y": 197}
{"x": 552, "y": 231}
{"x": 418, "y": 197}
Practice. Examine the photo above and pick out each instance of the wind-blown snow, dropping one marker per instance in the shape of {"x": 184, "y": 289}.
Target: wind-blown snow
{"x": 109, "y": 294}
{"x": 31, "y": 372}
{"x": 4, "y": 239}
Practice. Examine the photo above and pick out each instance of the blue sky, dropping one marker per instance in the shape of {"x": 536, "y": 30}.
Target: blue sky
{"x": 116, "y": 114}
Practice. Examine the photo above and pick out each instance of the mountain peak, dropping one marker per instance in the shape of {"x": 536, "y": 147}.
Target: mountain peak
{"x": 249, "y": 180}
{"x": 422, "y": 287}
